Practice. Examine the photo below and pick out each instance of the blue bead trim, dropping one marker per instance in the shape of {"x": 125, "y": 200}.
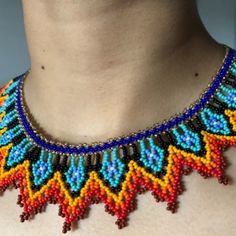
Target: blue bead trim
{"x": 175, "y": 121}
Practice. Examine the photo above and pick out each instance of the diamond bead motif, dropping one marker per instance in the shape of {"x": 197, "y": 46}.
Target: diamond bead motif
{"x": 75, "y": 175}
{"x": 113, "y": 169}
{"x": 42, "y": 169}
{"x": 151, "y": 156}
{"x": 187, "y": 139}
{"x": 17, "y": 153}
{"x": 227, "y": 95}
{"x": 214, "y": 122}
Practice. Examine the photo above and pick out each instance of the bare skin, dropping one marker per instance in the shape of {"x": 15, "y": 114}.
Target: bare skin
{"x": 100, "y": 69}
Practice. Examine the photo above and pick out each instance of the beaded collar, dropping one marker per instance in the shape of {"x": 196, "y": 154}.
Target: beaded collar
{"x": 115, "y": 171}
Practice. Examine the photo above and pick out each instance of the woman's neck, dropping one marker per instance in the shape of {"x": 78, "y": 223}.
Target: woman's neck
{"x": 107, "y": 63}
{"x": 97, "y": 40}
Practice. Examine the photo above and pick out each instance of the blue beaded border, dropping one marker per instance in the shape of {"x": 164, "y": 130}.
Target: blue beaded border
{"x": 122, "y": 141}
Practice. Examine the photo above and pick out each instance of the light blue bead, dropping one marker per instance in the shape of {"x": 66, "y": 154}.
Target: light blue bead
{"x": 187, "y": 139}
{"x": 9, "y": 135}
{"x": 9, "y": 101}
{"x": 42, "y": 169}
{"x": 113, "y": 169}
{"x": 7, "y": 119}
{"x": 214, "y": 122}
{"x": 227, "y": 95}
{"x": 233, "y": 69}
{"x": 17, "y": 153}
{"x": 10, "y": 87}
{"x": 151, "y": 156}
{"x": 75, "y": 175}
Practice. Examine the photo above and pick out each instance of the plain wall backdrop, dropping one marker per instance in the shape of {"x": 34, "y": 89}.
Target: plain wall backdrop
{"x": 218, "y": 16}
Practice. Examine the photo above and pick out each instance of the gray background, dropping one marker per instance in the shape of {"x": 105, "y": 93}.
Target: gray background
{"x": 218, "y": 16}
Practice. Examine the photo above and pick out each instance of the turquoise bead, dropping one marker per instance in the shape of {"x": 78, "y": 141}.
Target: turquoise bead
{"x": 17, "y": 153}
{"x": 9, "y": 135}
{"x": 75, "y": 175}
{"x": 9, "y": 101}
{"x": 233, "y": 69}
{"x": 227, "y": 95}
{"x": 7, "y": 119}
{"x": 214, "y": 122}
{"x": 151, "y": 156}
{"x": 42, "y": 169}
{"x": 113, "y": 169}
{"x": 187, "y": 139}
{"x": 10, "y": 87}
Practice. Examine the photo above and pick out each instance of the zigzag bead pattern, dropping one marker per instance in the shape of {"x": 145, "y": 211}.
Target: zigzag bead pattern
{"x": 115, "y": 171}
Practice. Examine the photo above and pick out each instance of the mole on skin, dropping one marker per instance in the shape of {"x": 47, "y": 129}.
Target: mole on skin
{"x": 43, "y": 67}
{"x": 196, "y": 74}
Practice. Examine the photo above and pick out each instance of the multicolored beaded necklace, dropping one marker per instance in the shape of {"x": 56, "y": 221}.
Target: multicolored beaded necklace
{"x": 115, "y": 171}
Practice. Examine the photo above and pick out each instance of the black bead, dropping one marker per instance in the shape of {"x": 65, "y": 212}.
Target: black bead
{"x": 10, "y": 108}
{"x": 16, "y": 140}
{"x": 33, "y": 154}
{"x": 163, "y": 172}
{"x": 166, "y": 139}
{"x": 12, "y": 124}
{"x": 134, "y": 149}
{"x": 160, "y": 141}
{"x": 56, "y": 164}
{"x": 100, "y": 175}
{"x": 170, "y": 137}
{"x": 10, "y": 92}
{"x": 89, "y": 166}
{"x": 198, "y": 123}
{"x": 63, "y": 164}
{"x": 97, "y": 164}
{"x": 190, "y": 125}
{"x": 124, "y": 155}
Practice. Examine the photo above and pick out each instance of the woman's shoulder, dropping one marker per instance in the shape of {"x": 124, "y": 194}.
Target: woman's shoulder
{"x": 7, "y": 85}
